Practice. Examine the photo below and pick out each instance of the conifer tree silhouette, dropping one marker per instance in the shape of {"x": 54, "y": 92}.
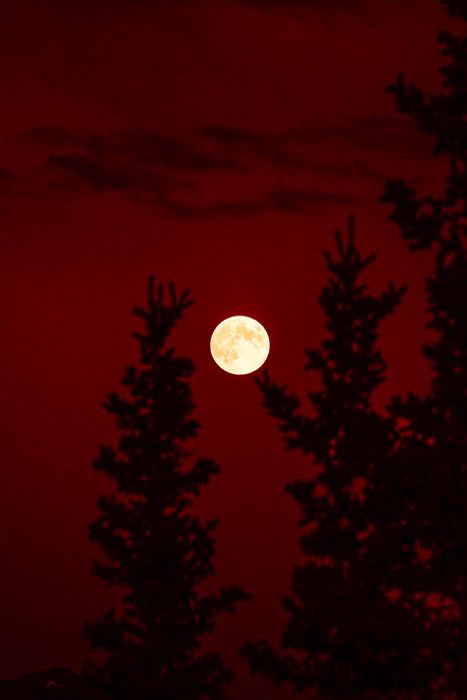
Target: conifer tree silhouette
{"x": 378, "y": 608}
{"x": 434, "y": 436}
{"x": 156, "y": 550}
{"x": 346, "y": 636}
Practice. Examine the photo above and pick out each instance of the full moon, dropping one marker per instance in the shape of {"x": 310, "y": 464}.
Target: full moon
{"x": 239, "y": 345}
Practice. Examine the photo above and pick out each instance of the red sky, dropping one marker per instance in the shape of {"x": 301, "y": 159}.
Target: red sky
{"x": 216, "y": 143}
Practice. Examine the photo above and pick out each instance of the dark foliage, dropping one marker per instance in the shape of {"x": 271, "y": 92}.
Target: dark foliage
{"x": 434, "y": 435}
{"x": 51, "y": 684}
{"x": 345, "y": 617}
{"x": 378, "y": 603}
{"x": 155, "y": 548}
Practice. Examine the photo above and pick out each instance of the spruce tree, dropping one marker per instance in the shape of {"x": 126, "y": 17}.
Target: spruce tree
{"x": 378, "y": 607}
{"x": 346, "y": 635}
{"x": 156, "y": 550}
{"x": 433, "y": 442}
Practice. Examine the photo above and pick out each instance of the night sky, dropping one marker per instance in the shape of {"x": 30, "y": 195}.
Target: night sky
{"x": 218, "y": 144}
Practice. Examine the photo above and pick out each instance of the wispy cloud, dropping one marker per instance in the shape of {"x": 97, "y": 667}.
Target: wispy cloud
{"x": 297, "y": 147}
{"x": 140, "y": 147}
{"x": 140, "y": 163}
{"x": 69, "y": 170}
{"x": 292, "y": 171}
{"x": 326, "y": 9}
{"x": 298, "y": 201}
{"x": 373, "y": 133}
{"x": 278, "y": 199}
{"x": 276, "y": 148}
{"x": 339, "y": 148}
{"x": 307, "y": 4}
{"x": 303, "y": 7}
{"x": 6, "y": 182}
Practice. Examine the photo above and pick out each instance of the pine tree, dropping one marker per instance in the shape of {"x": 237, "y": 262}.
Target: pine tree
{"x": 347, "y": 635}
{"x": 378, "y": 607}
{"x": 157, "y": 551}
{"x": 434, "y": 437}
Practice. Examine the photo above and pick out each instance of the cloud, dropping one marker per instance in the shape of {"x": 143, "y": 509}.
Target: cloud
{"x": 313, "y": 146}
{"x": 140, "y": 147}
{"x": 306, "y": 4}
{"x": 355, "y": 169}
{"x": 194, "y": 179}
{"x": 374, "y": 132}
{"x": 394, "y": 134}
{"x": 69, "y": 172}
{"x": 279, "y": 199}
{"x": 6, "y": 182}
{"x": 5, "y": 175}
{"x": 140, "y": 163}
{"x": 326, "y": 9}
{"x": 299, "y": 201}
{"x": 234, "y": 208}
{"x": 269, "y": 5}
{"x": 92, "y": 173}
{"x": 274, "y": 148}
{"x": 300, "y": 7}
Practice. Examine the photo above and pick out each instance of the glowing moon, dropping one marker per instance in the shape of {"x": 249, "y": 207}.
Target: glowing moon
{"x": 239, "y": 345}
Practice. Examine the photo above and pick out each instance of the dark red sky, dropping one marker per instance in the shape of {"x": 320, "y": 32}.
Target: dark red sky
{"x": 216, "y": 143}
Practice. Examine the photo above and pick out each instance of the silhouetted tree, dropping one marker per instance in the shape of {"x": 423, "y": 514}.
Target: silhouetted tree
{"x": 348, "y": 635}
{"x": 378, "y": 607}
{"x": 155, "y": 548}
{"x": 434, "y": 436}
